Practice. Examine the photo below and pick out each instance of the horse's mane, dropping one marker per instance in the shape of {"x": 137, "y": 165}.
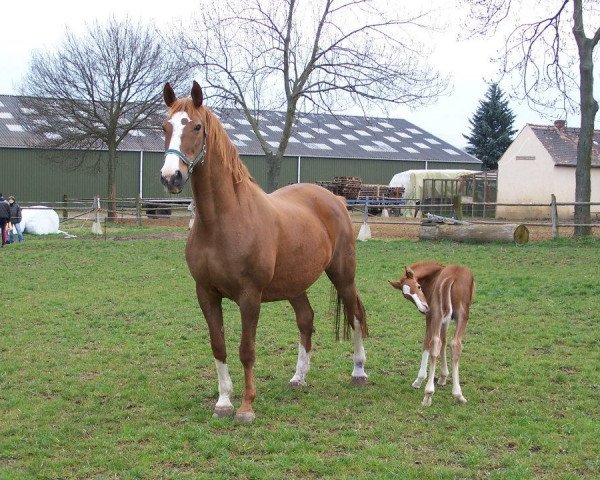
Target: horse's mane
{"x": 218, "y": 143}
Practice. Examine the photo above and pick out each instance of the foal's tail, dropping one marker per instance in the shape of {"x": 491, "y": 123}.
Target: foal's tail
{"x": 357, "y": 312}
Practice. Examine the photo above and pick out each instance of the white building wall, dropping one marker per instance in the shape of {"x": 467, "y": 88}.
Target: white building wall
{"x": 535, "y": 180}
{"x": 525, "y": 175}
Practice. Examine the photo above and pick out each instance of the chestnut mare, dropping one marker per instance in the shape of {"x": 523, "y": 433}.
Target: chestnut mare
{"x": 252, "y": 247}
{"x": 441, "y": 293}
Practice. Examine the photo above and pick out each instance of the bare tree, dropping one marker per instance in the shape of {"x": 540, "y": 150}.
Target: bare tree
{"x": 552, "y": 53}
{"x": 95, "y": 89}
{"x": 298, "y": 55}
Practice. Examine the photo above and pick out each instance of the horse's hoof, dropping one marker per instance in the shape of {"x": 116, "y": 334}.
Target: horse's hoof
{"x": 245, "y": 417}
{"x": 360, "y": 380}
{"x": 442, "y": 381}
{"x": 460, "y": 399}
{"x": 296, "y": 384}
{"x": 417, "y": 383}
{"x": 426, "y": 401}
{"x": 222, "y": 412}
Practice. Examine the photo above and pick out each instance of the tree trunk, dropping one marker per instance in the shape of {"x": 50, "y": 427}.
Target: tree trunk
{"x": 273, "y": 171}
{"x": 476, "y": 233}
{"x": 589, "y": 108}
{"x": 112, "y": 183}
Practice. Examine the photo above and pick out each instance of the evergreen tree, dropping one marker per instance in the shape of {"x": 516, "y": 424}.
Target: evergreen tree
{"x": 491, "y": 128}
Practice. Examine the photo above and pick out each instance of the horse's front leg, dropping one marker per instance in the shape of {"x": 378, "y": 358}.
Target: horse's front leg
{"x": 250, "y": 310}
{"x": 422, "y": 375}
{"x": 304, "y": 319}
{"x": 213, "y": 313}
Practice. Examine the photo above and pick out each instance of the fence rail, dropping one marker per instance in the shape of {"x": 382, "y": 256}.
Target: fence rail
{"x": 379, "y": 211}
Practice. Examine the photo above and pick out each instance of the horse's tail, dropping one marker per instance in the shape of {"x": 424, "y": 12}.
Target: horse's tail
{"x": 359, "y": 313}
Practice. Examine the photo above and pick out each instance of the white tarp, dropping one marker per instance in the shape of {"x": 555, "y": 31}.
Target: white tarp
{"x": 40, "y": 220}
{"x": 412, "y": 181}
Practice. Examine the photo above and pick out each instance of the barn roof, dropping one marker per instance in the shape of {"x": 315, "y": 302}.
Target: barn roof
{"x": 561, "y": 143}
{"x": 314, "y": 135}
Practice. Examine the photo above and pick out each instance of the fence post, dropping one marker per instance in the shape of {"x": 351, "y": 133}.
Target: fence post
{"x": 138, "y": 211}
{"x": 458, "y": 212}
{"x": 65, "y": 206}
{"x": 554, "y": 215}
{"x": 365, "y": 230}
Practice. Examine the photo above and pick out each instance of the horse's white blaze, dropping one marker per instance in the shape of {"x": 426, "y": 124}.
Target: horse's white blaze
{"x": 302, "y": 366}
{"x": 225, "y": 385}
{"x": 359, "y": 357}
{"x": 420, "y": 305}
{"x": 171, "y": 165}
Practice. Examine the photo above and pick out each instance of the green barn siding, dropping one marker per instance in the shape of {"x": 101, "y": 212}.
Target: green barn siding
{"x": 32, "y": 177}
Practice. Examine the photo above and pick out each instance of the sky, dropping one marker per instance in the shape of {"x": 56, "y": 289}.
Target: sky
{"x": 41, "y": 25}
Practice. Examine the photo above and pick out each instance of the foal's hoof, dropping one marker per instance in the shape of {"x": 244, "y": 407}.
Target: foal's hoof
{"x": 442, "y": 381}
{"x": 460, "y": 399}
{"x": 222, "y": 412}
{"x": 426, "y": 401}
{"x": 245, "y": 417}
{"x": 296, "y": 384}
{"x": 417, "y": 383}
{"x": 360, "y": 380}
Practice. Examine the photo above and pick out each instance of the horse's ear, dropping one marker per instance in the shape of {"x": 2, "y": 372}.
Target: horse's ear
{"x": 197, "y": 96}
{"x": 169, "y": 95}
{"x": 395, "y": 284}
{"x": 409, "y": 273}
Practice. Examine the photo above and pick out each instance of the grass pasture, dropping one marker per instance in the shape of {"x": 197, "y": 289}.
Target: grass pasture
{"x": 106, "y": 370}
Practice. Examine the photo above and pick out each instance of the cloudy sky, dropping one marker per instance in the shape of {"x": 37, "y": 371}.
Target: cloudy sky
{"x": 41, "y": 25}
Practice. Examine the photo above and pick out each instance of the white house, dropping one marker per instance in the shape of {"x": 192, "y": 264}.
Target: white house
{"x": 541, "y": 162}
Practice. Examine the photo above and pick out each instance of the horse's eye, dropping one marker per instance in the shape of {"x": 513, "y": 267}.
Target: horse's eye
{"x": 197, "y": 127}
{"x": 419, "y": 287}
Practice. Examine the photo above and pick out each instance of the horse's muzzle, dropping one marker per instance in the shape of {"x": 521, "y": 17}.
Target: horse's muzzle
{"x": 173, "y": 183}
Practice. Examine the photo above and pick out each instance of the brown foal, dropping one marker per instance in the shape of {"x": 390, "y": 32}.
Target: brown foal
{"x": 441, "y": 293}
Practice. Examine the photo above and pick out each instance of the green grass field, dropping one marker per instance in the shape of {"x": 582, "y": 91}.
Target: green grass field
{"x": 106, "y": 370}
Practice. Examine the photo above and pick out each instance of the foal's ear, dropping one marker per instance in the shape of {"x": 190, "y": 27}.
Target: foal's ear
{"x": 409, "y": 272}
{"x": 197, "y": 96}
{"x": 395, "y": 284}
{"x": 169, "y": 95}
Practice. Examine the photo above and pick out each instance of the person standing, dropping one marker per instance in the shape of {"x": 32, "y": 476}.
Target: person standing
{"x": 15, "y": 219}
{"x": 4, "y": 217}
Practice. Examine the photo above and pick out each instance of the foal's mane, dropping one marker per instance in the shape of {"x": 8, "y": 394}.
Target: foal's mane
{"x": 425, "y": 270}
{"x": 218, "y": 143}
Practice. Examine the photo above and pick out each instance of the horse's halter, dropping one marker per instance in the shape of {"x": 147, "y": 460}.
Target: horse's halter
{"x": 191, "y": 163}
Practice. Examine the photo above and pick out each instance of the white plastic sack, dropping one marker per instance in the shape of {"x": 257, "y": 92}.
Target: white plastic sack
{"x": 40, "y": 220}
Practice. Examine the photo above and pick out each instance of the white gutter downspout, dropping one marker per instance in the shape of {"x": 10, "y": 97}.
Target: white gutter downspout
{"x": 141, "y": 173}
{"x": 299, "y": 162}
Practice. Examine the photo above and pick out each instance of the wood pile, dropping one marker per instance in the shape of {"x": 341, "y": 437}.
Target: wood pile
{"x": 380, "y": 191}
{"x": 347, "y": 187}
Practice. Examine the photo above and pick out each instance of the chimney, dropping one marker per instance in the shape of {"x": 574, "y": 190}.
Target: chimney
{"x": 560, "y": 125}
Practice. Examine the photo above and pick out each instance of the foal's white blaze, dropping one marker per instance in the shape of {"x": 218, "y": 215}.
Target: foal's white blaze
{"x": 178, "y": 122}
{"x": 359, "y": 357}
{"x": 420, "y": 305}
{"x": 225, "y": 385}
{"x": 302, "y": 366}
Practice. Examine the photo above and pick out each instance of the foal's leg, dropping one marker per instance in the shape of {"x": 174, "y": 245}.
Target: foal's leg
{"x": 425, "y": 356}
{"x": 435, "y": 348}
{"x": 213, "y": 313}
{"x": 443, "y": 361}
{"x": 304, "y": 319}
{"x": 457, "y": 346}
{"x": 249, "y": 309}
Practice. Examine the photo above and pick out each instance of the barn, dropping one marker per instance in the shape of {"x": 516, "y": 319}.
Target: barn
{"x": 322, "y": 146}
{"x": 540, "y": 162}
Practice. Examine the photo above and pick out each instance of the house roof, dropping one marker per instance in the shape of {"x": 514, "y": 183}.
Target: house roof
{"x": 561, "y": 143}
{"x": 314, "y": 135}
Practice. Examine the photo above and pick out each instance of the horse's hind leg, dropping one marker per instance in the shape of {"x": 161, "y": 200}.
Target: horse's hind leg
{"x": 304, "y": 319}
{"x": 354, "y": 314}
{"x": 461, "y": 325}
